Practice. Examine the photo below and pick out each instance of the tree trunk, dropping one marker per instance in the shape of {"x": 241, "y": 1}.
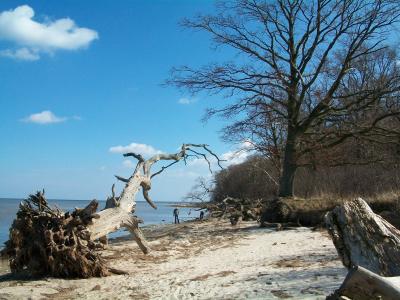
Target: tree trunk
{"x": 47, "y": 241}
{"x": 289, "y": 167}
{"x": 113, "y": 218}
{"x": 365, "y": 239}
{"x": 363, "y": 284}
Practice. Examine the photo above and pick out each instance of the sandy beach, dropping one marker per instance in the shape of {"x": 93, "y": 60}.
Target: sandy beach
{"x": 209, "y": 260}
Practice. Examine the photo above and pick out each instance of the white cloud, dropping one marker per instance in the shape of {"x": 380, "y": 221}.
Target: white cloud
{"x": 238, "y": 155}
{"x": 235, "y": 157}
{"x": 44, "y": 117}
{"x": 185, "y": 101}
{"x": 128, "y": 164}
{"x": 232, "y": 157}
{"x": 246, "y": 145}
{"x": 17, "y": 26}
{"x": 20, "y": 54}
{"x": 142, "y": 149}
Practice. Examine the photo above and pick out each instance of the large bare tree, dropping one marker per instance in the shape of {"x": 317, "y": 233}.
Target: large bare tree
{"x": 309, "y": 75}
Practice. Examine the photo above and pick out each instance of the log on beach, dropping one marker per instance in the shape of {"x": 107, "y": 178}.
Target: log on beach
{"x": 47, "y": 241}
{"x": 369, "y": 247}
{"x": 366, "y": 285}
{"x": 363, "y": 238}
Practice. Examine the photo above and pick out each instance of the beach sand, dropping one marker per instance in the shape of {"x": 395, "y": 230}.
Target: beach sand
{"x": 209, "y": 260}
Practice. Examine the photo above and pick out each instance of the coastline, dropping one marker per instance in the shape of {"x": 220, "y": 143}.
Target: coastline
{"x": 204, "y": 260}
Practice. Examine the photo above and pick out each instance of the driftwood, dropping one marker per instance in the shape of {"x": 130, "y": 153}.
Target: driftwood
{"x": 236, "y": 209}
{"x": 366, "y": 285}
{"x": 111, "y": 219}
{"x": 370, "y": 247}
{"x": 46, "y": 241}
{"x": 363, "y": 238}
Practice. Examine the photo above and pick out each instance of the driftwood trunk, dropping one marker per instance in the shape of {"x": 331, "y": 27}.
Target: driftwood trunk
{"x": 112, "y": 219}
{"x": 120, "y": 214}
{"x": 363, "y": 238}
{"x": 363, "y": 284}
{"x": 369, "y": 247}
{"x": 46, "y": 241}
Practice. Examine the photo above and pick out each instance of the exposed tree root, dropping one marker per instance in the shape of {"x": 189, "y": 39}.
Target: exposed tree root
{"x": 46, "y": 241}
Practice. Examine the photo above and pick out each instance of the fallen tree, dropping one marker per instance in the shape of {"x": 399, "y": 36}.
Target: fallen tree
{"x": 370, "y": 247}
{"x": 363, "y": 238}
{"x": 311, "y": 212}
{"x": 47, "y": 241}
{"x": 235, "y": 209}
{"x": 363, "y": 284}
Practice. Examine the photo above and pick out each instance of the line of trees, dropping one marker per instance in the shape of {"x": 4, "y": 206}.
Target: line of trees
{"x": 248, "y": 180}
{"x": 312, "y": 80}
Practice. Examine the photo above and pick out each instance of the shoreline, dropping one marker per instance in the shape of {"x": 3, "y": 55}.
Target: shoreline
{"x": 204, "y": 260}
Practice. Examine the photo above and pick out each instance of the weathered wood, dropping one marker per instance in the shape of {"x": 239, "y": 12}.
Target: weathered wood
{"x": 235, "y": 209}
{"x": 113, "y": 218}
{"x": 363, "y": 238}
{"x": 363, "y": 284}
{"x": 46, "y": 241}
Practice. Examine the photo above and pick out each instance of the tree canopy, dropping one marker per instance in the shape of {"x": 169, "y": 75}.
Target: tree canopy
{"x": 309, "y": 76}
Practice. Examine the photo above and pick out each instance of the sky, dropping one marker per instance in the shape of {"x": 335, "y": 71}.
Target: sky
{"x": 82, "y": 82}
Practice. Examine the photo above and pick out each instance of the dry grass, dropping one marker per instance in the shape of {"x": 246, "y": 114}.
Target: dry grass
{"x": 383, "y": 201}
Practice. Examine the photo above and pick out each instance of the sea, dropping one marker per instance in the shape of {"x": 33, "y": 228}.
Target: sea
{"x": 161, "y": 215}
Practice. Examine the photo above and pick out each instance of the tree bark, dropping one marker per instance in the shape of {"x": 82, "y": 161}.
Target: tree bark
{"x": 47, "y": 241}
{"x": 363, "y": 284}
{"x": 113, "y": 218}
{"x": 363, "y": 238}
{"x": 289, "y": 167}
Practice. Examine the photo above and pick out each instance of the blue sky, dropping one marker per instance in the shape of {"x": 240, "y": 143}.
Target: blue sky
{"x": 66, "y": 99}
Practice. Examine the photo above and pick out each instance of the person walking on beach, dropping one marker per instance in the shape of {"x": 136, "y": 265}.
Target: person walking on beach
{"x": 176, "y": 215}
{"x": 201, "y": 215}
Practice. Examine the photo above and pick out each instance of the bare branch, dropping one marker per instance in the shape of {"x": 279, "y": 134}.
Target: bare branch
{"x": 121, "y": 178}
{"x": 147, "y": 197}
{"x": 163, "y": 168}
{"x": 135, "y": 155}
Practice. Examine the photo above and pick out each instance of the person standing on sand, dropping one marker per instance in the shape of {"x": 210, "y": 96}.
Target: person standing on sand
{"x": 201, "y": 215}
{"x": 176, "y": 216}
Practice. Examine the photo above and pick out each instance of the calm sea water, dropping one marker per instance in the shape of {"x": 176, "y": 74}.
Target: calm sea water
{"x": 163, "y": 214}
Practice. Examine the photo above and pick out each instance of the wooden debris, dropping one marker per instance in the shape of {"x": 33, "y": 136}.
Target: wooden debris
{"x": 370, "y": 247}
{"x": 363, "y": 284}
{"x": 235, "y": 209}
{"x": 46, "y": 241}
{"x": 363, "y": 238}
